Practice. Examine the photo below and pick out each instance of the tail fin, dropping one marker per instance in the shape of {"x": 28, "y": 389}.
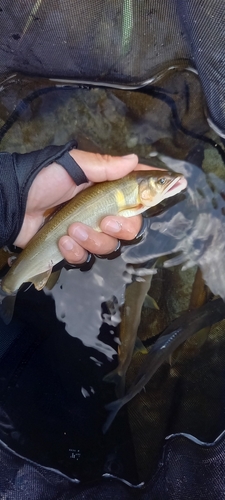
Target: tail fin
{"x": 7, "y": 305}
{"x": 119, "y": 380}
{"x": 112, "y": 377}
{"x": 113, "y": 407}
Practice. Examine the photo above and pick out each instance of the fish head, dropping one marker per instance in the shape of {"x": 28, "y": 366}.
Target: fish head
{"x": 158, "y": 185}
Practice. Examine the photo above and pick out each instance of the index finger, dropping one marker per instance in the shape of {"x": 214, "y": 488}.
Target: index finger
{"x": 141, "y": 166}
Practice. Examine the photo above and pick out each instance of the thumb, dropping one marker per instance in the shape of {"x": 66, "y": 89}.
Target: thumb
{"x": 99, "y": 168}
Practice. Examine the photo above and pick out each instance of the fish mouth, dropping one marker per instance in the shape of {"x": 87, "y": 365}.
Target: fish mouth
{"x": 175, "y": 186}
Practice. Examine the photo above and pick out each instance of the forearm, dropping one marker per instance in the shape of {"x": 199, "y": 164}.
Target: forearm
{"x": 17, "y": 173}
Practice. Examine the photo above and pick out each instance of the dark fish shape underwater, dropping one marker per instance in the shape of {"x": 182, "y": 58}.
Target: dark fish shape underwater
{"x": 176, "y": 333}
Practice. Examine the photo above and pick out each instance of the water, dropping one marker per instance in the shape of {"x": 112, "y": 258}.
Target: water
{"x": 53, "y": 394}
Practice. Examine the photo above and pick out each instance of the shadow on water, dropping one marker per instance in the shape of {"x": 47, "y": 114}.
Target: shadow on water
{"x": 61, "y": 344}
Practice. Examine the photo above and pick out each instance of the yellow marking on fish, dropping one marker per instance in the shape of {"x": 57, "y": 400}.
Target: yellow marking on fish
{"x": 120, "y": 198}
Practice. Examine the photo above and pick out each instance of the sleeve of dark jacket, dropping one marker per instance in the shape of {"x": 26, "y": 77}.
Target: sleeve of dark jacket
{"x": 17, "y": 172}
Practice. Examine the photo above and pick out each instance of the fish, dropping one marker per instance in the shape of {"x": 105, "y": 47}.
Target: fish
{"x": 135, "y": 298}
{"x": 199, "y": 296}
{"x": 131, "y": 195}
{"x": 176, "y": 333}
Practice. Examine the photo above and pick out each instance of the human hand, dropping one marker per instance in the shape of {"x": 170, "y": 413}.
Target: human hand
{"x": 53, "y": 186}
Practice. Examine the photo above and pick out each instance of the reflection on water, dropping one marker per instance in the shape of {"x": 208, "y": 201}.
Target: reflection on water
{"x": 84, "y": 293}
{"x": 74, "y": 352}
{"x": 195, "y": 229}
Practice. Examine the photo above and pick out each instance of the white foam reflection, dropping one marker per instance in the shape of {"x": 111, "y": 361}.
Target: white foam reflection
{"x": 194, "y": 229}
{"x": 78, "y": 297}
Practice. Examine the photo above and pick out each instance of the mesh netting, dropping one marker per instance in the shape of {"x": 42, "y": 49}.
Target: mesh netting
{"x": 107, "y": 41}
{"x": 43, "y": 415}
{"x": 182, "y": 474}
{"x": 121, "y": 42}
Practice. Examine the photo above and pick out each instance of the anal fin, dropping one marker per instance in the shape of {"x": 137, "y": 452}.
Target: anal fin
{"x": 41, "y": 279}
{"x": 52, "y": 280}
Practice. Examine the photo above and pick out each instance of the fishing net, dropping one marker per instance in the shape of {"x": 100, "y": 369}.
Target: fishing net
{"x": 168, "y": 443}
{"x": 120, "y": 42}
{"x": 41, "y": 420}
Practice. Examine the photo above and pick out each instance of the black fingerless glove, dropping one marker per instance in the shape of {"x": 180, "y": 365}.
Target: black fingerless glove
{"x": 17, "y": 172}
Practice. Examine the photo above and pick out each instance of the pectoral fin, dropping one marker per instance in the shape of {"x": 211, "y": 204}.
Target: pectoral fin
{"x": 128, "y": 212}
{"x": 139, "y": 347}
{"x": 199, "y": 338}
{"x": 150, "y": 303}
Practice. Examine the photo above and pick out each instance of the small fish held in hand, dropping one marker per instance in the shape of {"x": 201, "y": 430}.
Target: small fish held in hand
{"x": 128, "y": 196}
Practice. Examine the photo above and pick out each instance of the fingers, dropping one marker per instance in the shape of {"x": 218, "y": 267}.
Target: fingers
{"x": 141, "y": 166}
{"x": 53, "y": 186}
{"x": 82, "y": 239}
{"x": 100, "y": 168}
{"x": 122, "y": 228}
{"x": 71, "y": 251}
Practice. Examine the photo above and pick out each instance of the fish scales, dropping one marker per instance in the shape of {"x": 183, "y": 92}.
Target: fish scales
{"x": 140, "y": 190}
{"x": 81, "y": 208}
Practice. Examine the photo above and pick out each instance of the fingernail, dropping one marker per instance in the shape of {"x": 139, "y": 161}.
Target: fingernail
{"x": 67, "y": 245}
{"x": 80, "y": 233}
{"x": 113, "y": 226}
{"x": 129, "y": 157}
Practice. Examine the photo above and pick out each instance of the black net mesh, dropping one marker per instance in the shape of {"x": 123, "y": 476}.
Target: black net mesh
{"x": 104, "y": 41}
{"x": 43, "y": 415}
{"x": 197, "y": 472}
{"x": 204, "y": 25}
{"x": 120, "y": 42}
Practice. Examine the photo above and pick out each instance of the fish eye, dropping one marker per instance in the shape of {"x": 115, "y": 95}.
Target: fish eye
{"x": 162, "y": 180}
